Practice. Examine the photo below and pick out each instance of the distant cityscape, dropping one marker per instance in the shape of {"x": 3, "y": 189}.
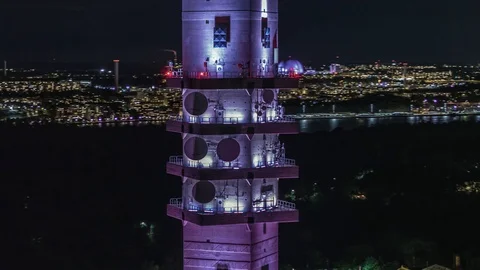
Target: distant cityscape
{"x": 90, "y": 96}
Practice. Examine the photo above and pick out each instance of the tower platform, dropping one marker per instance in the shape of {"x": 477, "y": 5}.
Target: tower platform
{"x": 283, "y": 212}
{"x": 285, "y": 169}
{"x": 231, "y": 125}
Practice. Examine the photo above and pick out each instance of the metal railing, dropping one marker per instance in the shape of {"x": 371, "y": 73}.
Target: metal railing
{"x": 286, "y": 205}
{"x": 230, "y": 75}
{"x": 178, "y": 118}
{"x": 213, "y": 120}
{"x": 280, "y": 206}
{"x": 229, "y": 120}
{"x": 178, "y": 160}
{"x": 212, "y": 210}
{"x": 176, "y": 202}
{"x": 282, "y": 162}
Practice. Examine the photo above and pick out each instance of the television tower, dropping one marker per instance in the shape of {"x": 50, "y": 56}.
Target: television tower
{"x": 230, "y": 124}
{"x": 116, "y": 64}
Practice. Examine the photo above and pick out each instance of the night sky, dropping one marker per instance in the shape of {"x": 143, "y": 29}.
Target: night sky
{"x": 311, "y": 30}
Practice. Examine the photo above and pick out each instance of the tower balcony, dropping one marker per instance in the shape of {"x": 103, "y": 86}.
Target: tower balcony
{"x": 231, "y": 125}
{"x": 283, "y": 168}
{"x": 282, "y": 212}
{"x": 232, "y": 80}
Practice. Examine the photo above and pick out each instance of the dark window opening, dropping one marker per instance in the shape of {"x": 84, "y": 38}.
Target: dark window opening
{"x": 221, "y": 32}
{"x": 265, "y": 33}
{"x": 266, "y": 189}
{"x": 264, "y": 228}
{"x": 222, "y": 266}
{"x": 265, "y": 267}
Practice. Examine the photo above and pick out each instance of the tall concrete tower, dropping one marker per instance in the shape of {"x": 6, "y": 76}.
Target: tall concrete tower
{"x": 116, "y": 64}
{"x": 232, "y": 158}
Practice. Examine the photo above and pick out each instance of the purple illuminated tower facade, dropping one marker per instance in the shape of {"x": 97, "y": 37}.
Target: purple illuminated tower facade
{"x": 230, "y": 125}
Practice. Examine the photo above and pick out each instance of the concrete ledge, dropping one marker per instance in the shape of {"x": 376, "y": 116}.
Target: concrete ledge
{"x": 278, "y": 216}
{"x": 214, "y": 129}
{"x": 225, "y": 174}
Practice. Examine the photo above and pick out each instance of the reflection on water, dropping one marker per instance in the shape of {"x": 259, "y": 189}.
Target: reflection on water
{"x": 313, "y": 125}
{"x": 124, "y": 124}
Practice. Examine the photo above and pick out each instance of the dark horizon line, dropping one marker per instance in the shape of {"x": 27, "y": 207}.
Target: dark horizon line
{"x": 305, "y": 63}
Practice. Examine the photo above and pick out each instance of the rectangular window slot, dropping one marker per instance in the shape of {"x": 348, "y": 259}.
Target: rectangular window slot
{"x": 265, "y": 33}
{"x": 221, "y": 32}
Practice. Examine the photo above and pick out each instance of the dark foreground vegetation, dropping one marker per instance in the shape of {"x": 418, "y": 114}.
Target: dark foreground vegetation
{"x": 85, "y": 198}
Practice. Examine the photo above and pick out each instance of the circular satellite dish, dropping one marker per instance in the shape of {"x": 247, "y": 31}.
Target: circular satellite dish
{"x": 268, "y": 96}
{"x": 196, "y": 103}
{"x": 228, "y": 149}
{"x": 195, "y": 148}
{"x": 203, "y": 192}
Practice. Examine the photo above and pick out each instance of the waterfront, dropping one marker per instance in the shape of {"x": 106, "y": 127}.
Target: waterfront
{"x": 315, "y": 125}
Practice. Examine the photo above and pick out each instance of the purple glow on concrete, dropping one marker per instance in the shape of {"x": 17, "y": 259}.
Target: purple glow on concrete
{"x": 246, "y": 246}
{"x": 232, "y": 157}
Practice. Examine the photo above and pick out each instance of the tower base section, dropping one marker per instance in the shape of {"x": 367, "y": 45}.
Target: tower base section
{"x": 239, "y": 247}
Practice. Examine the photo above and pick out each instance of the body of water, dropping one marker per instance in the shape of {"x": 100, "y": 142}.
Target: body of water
{"x": 314, "y": 125}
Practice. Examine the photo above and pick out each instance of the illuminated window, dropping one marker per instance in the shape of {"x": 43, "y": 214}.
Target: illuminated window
{"x": 265, "y": 33}
{"x": 221, "y": 32}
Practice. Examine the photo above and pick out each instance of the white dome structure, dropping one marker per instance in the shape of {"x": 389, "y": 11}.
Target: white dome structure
{"x": 291, "y": 66}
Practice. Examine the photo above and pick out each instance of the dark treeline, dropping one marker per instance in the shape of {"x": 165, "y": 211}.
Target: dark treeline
{"x": 76, "y": 197}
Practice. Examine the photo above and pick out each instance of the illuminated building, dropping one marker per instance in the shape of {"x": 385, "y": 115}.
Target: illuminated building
{"x": 291, "y": 66}
{"x": 116, "y": 63}
{"x": 335, "y": 68}
{"x": 232, "y": 157}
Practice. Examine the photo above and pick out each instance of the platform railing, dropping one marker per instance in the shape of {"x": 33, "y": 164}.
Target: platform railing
{"x": 282, "y": 162}
{"x": 213, "y": 120}
{"x": 179, "y": 160}
{"x": 229, "y": 120}
{"x": 230, "y": 75}
{"x": 213, "y": 165}
{"x": 286, "y": 205}
{"x": 279, "y": 206}
{"x": 176, "y": 202}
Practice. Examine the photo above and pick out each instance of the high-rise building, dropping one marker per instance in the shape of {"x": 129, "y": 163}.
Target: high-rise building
{"x": 232, "y": 157}
{"x": 116, "y": 70}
